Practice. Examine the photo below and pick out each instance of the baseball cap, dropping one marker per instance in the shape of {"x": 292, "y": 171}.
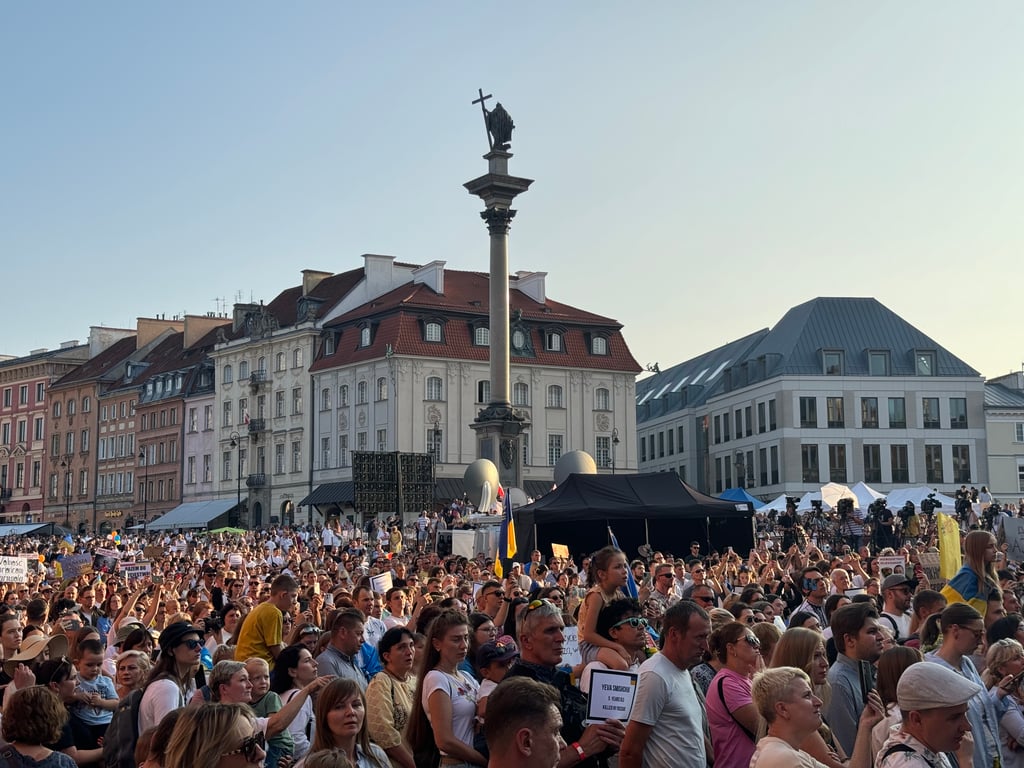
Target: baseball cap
{"x": 929, "y": 685}
{"x": 496, "y": 650}
{"x": 173, "y": 635}
{"x": 898, "y": 580}
{"x": 126, "y": 629}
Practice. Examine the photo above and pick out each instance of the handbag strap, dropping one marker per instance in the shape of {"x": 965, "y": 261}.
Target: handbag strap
{"x": 721, "y": 696}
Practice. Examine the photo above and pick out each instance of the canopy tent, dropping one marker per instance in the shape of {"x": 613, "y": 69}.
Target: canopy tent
{"x": 229, "y": 529}
{"x": 655, "y": 508}
{"x": 865, "y": 494}
{"x": 195, "y": 514}
{"x": 27, "y": 529}
{"x": 740, "y": 494}
{"x": 900, "y": 496}
{"x": 331, "y": 493}
{"x": 778, "y": 504}
{"x": 804, "y": 505}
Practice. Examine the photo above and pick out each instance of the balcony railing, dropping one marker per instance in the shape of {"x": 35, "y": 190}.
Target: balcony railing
{"x": 256, "y": 481}
{"x": 257, "y": 425}
{"x": 5, "y": 494}
{"x": 256, "y": 378}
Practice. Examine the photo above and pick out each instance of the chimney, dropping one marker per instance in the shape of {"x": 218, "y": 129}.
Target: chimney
{"x": 102, "y": 338}
{"x": 197, "y": 326}
{"x": 69, "y": 344}
{"x": 430, "y": 275}
{"x": 151, "y": 327}
{"x": 239, "y": 313}
{"x": 532, "y": 284}
{"x": 311, "y": 278}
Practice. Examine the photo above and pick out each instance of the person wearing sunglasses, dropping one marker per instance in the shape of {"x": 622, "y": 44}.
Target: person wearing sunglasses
{"x": 622, "y": 622}
{"x": 172, "y": 683}
{"x": 732, "y": 714}
{"x": 216, "y": 736}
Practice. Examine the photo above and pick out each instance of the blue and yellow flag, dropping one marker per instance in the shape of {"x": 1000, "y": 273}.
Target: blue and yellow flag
{"x": 630, "y": 581}
{"x": 949, "y": 545}
{"x": 506, "y": 537}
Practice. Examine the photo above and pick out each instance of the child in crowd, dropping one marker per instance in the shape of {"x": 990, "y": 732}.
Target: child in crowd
{"x": 91, "y": 716}
{"x": 493, "y": 660}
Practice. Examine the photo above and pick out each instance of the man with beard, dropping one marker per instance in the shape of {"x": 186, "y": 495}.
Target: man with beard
{"x": 858, "y": 639}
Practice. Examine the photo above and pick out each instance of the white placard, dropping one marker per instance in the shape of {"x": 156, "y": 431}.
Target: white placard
{"x": 13, "y": 569}
{"x": 930, "y": 565}
{"x": 135, "y": 570}
{"x": 235, "y": 559}
{"x": 611, "y": 695}
{"x": 1013, "y": 530}
{"x": 890, "y": 564}
{"x": 571, "y": 647}
{"x": 381, "y": 583}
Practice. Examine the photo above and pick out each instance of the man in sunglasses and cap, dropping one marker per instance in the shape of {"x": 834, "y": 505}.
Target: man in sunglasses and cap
{"x": 622, "y": 622}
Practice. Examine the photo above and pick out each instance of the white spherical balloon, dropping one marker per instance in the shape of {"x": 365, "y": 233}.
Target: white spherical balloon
{"x": 481, "y": 483}
{"x": 572, "y": 463}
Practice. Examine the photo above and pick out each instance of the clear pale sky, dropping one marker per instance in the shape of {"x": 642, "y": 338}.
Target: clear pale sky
{"x": 700, "y": 167}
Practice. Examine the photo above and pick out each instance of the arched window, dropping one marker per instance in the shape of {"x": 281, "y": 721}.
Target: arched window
{"x": 229, "y": 374}
{"x": 243, "y": 369}
{"x": 279, "y": 362}
{"x": 297, "y": 358}
{"x": 56, "y": 410}
{"x": 343, "y": 396}
{"x": 432, "y": 332}
{"x": 599, "y": 345}
{"x": 361, "y": 392}
{"x": 601, "y": 399}
{"x": 325, "y": 399}
{"x": 520, "y": 393}
{"x": 364, "y": 337}
{"x": 482, "y": 336}
{"x": 553, "y": 341}
{"x": 555, "y": 396}
{"x": 71, "y": 407}
{"x": 382, "y": 388}
{"x": 261, "y": 365}
{"x": 483, "y": 391}
{"x": 86, "y": 404}
{"x": 435, "y": 388}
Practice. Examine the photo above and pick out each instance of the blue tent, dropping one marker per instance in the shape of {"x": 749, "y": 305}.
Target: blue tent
{"x": 740, "y": 494}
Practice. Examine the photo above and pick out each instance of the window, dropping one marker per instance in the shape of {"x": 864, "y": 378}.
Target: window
{"x": 343, "y": 396}
{"x": 809, "y": 463}
{"x": 382, "y": 388}
{"x": 958, "y": 413}
{"x": 38, "y": 428}
{"x": 243, "y": 410}
{"x": 54, "y": 440}
{"x": 207, "y": 468}
{"x": 924, "y": 363}
{"x": 243, "y": 370}
{"x": 279, "y": 458}
{"x": 772, "y": 423}
{"x": 869, "y": 412}
{"x": 524, "y": 438}
{"x": 296, "y": 401}
{"x": 382, "y": 440}
{"x": 482, "y": 336}
{"x": 85, "y": 441}
{"x": 643, "y": 449}
{"x": 207, "y": 417}
{"x": 718, "y": 428}
{"x": 835, "y": 412}
{"x": 37, "y": 473}
{"x": 599, "y": 345}
{"x": 837, "y": 463}
{"x": 762, "y": 458}
{"x": 297, "y": 358}
{"x": 555, "y": 396}
{"x": 661, "y": 445}
{"x": 872, "y": 463}
{"x": 679, "y": 438}
{"x": 69, "y": 441}
{"x": 329, "y": 345}
{"x": 279, "y": 361}
{"x": 5, "y": 436}
{"x": 279, "y": 403}
{"x": 897, "y": 413}
{"x": 432, "y": 332}
{"x": 553, "y": 341}
{"x": 718, "y": 475}
{"x": 325, "y": 399}
{"x": 228, "y": 375}
{"x": 554, "y": 449}
{"x": 602, "y": 399}
{"x": 933, "y": 463}
{"x": 483, "y": 391}
{"x": 56, "y": 408}
{"x": 727, "y": 471}
{"x": 193, "y": 420}
{"x": 738, "y": 421}
{"x": 671, "y": 441}
{"x": 226, "y": 413}
{"x": 748, "y": 418}
{"x": 808, "y": 412}
{"x": 961, "y": 463}
{"x": 878, "y": 363}
{"x": 361, "y": 393}
{"x": 342, "y": 450}
{"x": 1020, "y": 480}
{"x": 296, "y": 456}
{"x": 361, "y": 441}
{"x": 23, "y": 397}
{"x": 434, "y": 441}
{"x": 833, "y": 363}
{"x": 226, "y": 460}
{"x": 87, "y": 405}
{"x": 930, "y": 412}
{"x": 53, "y": 485}
{"x": 325, "y": 452}
{"x": 900, "y": 463}
{"x": 435, "y": 388}
{"x": 261, "y": 366}
{"x": 83, "y": 481}
{"x": 603, "y": 451}
{"x": 364, "y": 337}
{"x": 521, "y": 393}
{"x": 190, "y": 470}
{"x": 725, "y": 427}
{"x": 19, "y": 475}
{"x": 8, "y": 398}
{"x": 1019, "y": 432}
{"x": 762, "y": 425}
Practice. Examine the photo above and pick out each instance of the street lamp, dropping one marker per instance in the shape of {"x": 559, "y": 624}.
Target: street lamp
{"x": 65, "y": 464}
{"x": 236, "y": 443}
{"x": 436, "y": 434}
{"x": 615, "y": 444}
{"x": 145, "y": 494}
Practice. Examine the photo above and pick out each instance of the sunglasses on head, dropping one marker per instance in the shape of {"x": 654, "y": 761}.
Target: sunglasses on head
{"x": 250, "y": 747}
{"x": 633, "y": 621}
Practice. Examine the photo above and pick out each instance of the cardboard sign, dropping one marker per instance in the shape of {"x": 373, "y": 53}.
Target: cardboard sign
{"x": 381, "y": 583}
{"x": 1013, "y": 530}
{"x": 930, "y": 565}
{"x": 153, "y": 553}
{"x": 235, "y": 559}
{"x": 571, "y": 648}
{"x": 136, "y": 571}
{"x": 13, "y": 569}
{"x": 560, "y": 551}
{"x": 890, "y": 564}
{"x": 75, "y": 565}
{"x": 611, "y": 695}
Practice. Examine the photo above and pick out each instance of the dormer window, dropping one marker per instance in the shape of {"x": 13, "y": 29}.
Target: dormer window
{"x": 599, "y": 345}
{"x": 364, "y": 337}
{"x": 329, "y": 345}
{"x": 924, "y": 362}
{"x": 432, "y": 332}
{"x": 832, "y": 362}
{"x": 482, "y": 336}
{"x": 553, "y": 341}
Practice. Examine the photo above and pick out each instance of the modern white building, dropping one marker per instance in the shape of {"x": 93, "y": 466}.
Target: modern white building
{"x": 1004, "y": 420}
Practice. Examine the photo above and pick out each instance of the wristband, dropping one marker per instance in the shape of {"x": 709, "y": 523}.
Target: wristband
{"x": 579, "y": 750}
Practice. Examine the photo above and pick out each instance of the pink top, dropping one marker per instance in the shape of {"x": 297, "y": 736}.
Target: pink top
{"x": 733, "y": 747}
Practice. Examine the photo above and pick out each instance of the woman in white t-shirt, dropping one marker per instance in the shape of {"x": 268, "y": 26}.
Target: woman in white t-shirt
{"x": 445, "y": 705}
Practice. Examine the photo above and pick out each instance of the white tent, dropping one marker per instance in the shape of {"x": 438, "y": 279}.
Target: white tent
{"x": 779, "y": 505}
{"x": 804, "y": 505}
{"x": 901, "y": 496}
{"x": 865, "y": 494}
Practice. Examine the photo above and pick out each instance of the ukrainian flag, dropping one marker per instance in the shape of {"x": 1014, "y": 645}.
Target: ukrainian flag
{"x": 506, "y": 537}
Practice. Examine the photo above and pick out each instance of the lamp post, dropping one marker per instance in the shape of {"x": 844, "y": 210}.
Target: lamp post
{"x": 436, "y": 434}
{"x": 236, "y": 443}
{"x": 145, "y": 494}
{"x": 615, "y": 444}
{"x": 65, "y": 464}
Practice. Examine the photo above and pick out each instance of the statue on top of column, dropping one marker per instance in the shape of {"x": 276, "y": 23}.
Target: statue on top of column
{"x": 498, "y": 123}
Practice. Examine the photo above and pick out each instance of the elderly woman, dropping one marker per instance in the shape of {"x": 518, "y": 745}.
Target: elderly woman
{"x": 34, "y": 717}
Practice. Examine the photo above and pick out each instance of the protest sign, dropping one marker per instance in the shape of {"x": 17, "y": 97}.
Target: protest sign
{"x": 1013, "y": 530}
{"x": 560, "y": 551}
{"x": 105, "y": 560}
{"x": 611, "y": 695}
{"x": 75, "y": 565}
{"x": 571, "y": 647}
{"x": 135, "y": 571}
{"x": 13, "y": 569}
{"x": 930, "y": 565}
{"x": 153, "y": 553}
{"x": 235, "y": 559}
{"x": 890, "y": 564}
{"x": 381, "y": 583}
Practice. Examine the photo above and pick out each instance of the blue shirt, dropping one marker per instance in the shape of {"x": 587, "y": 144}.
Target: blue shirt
{"x": 843, "y": 711}
{"x": 983, "y": 713}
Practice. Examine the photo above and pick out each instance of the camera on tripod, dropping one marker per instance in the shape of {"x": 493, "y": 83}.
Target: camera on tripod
{"x": 930, "y": 504}
{"x": 877, "y": 507}
{"x": 845, "y": 507}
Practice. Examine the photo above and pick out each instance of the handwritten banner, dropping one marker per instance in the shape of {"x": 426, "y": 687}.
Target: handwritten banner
{"x": 75, "y": 565}
{"x": 571, "y": 647}
{"x": 13, "y": 569}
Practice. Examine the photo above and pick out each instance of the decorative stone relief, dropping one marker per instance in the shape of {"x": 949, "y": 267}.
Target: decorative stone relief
{"x": 602, "y": 422}
{"x": 434, "y": 415}
{"x": 361, "y": 418}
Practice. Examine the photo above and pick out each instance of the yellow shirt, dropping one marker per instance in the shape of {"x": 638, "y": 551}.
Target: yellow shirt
{"x": 261, "y": 629}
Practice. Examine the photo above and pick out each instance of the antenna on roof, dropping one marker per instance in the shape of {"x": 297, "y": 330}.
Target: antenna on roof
{"x": 652, "y": 368}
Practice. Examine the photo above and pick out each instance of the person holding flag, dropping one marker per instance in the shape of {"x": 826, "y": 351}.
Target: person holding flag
{"x": 506, "y": 534}
{"x": 609, "y": 573}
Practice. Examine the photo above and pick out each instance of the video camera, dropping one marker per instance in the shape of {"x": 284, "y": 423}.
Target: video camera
{"x": 845, "y": 507}
{"x": 906, "y": 511}
{"x": 930, "y": 504}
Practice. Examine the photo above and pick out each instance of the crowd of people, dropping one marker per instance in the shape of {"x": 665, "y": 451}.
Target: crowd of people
{"x": 306, "y": 647}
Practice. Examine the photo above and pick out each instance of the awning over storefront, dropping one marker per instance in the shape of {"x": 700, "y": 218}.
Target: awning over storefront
{"x": 331, "y": 493}
{"x": 25, "y": 529}
{"x": 193, "y": 514}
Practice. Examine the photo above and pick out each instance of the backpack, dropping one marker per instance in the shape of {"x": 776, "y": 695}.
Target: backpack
{"x": 123, "y": 733}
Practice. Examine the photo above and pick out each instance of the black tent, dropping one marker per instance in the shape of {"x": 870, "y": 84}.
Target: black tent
{"x": 655, "y": 508}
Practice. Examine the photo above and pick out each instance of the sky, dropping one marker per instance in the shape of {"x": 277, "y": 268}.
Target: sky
{"x": 699, "y": 168}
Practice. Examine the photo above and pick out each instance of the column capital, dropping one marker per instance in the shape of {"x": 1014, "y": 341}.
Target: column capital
{"x": 499, "y": 220}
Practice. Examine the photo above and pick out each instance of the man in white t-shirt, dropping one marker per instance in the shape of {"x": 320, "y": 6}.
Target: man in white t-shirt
{"x": 666, "y": 698}
{"x": 897, "y": 592}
